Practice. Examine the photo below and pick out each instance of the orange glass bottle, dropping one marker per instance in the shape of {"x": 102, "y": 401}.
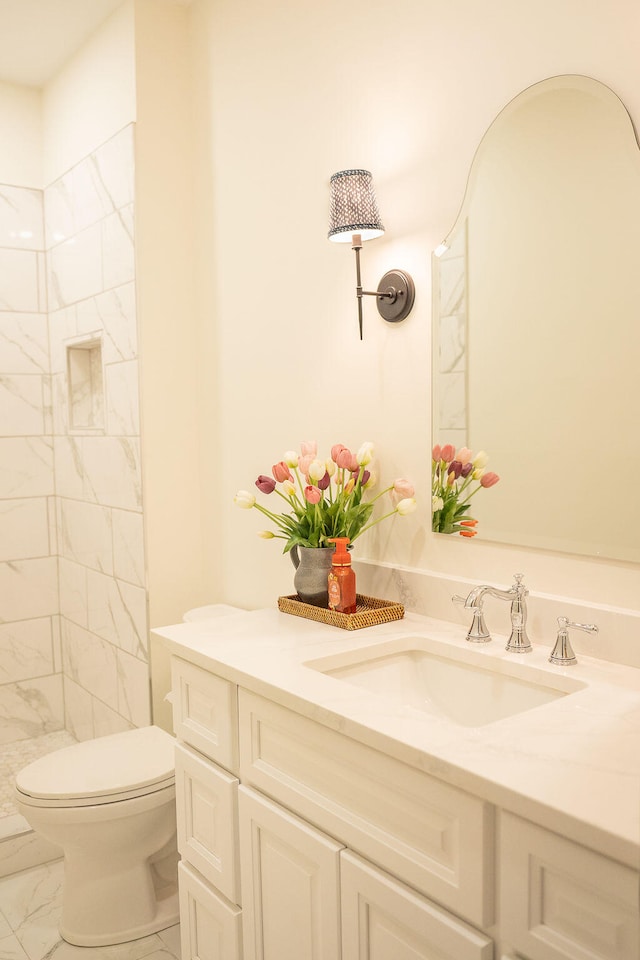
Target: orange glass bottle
{"x": 342, "y": 579}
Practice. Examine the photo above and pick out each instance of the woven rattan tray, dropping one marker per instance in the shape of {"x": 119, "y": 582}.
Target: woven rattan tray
{"x": 369, "y": 612}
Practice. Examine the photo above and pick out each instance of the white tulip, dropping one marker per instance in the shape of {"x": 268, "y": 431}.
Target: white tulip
{"x": 365, "y": 454}
{"x": 244, "y": 499}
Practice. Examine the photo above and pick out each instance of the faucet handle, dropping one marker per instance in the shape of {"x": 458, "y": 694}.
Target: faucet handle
{"x": 562, "y": 653}
{"x": 517, "y": 582}
{"x": 477, "y": 632}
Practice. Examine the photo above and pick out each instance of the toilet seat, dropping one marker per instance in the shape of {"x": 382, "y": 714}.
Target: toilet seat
{"x": 107, "y": 770}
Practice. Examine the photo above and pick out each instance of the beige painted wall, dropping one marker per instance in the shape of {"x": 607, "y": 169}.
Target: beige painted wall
{"x": 20, "y": 136}
{"x": 45, "y": 132}
{"x": 284, "y": 95}
{"x": 166, "y": 253}
{"x": 92, "y": 97}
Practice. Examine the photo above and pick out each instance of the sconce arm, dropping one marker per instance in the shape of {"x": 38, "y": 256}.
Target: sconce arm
{"x": 395, "y": 293}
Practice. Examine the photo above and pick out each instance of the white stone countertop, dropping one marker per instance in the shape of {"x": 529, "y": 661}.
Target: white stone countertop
{"x": 572, "y": 765}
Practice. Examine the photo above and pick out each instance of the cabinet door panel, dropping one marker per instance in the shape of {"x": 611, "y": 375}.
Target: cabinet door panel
{"x": 290, "y": 885}
{"x": 207, "y": 820}
{"x": 210, "y": 927}
{"x": 384, "y": 920}
{"x": 559, "y": 900}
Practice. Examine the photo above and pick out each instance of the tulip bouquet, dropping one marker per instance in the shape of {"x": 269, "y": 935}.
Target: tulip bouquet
{"x": 453, "y": 473}
{"x": 324, "y": 498}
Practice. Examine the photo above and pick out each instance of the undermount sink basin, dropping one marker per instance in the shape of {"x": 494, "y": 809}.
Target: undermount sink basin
{"x": 464, "y": 686}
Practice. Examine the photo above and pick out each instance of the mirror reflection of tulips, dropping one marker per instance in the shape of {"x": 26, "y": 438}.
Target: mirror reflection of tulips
{"x": 325, "y": 498}
{"x": 453, "y": 474}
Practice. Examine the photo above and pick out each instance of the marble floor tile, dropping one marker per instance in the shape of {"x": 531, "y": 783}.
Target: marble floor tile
{"x": 11, "y": 949}
{"x": 30, "y": 909}
{"x": 17, "y": 755}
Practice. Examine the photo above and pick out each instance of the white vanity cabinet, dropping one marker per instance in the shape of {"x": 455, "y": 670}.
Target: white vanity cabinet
{"x": 299, "y": 842}
{"x": 290, "y": 884}
{"x": 559, "y": 900}
{"x": 205, "y": 721}
{"x": 283, "y": 871}
{"x": 306, "y": 897}
{"x": 382, "y": 919}
{"x": 210, "y": 927}
{"x": 432, "y": 836}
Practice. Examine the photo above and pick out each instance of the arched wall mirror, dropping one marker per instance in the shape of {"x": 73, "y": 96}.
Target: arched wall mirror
{"x": 537, "y": 322}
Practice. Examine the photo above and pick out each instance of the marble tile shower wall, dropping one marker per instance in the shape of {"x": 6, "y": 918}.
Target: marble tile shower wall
{"x": 31, "y": 698}
{"x": 73, "y": 615}
{"x": 89, "y": 236}
{"x": 451, "y": 389}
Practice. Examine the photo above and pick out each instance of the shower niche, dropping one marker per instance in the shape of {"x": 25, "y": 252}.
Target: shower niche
{"x": 85, "y": 381}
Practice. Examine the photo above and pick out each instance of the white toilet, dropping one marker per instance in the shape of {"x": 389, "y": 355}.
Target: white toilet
{"x": 110, "y": 805}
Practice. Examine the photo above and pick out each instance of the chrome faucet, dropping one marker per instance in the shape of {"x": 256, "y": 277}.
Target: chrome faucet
{"x": 518, "y": 641}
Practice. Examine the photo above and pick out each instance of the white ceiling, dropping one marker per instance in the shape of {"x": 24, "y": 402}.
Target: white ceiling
{"x": 38, "y": 36}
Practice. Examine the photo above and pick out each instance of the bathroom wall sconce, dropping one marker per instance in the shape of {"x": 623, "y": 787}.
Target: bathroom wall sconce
{"x": 354, "y": 218}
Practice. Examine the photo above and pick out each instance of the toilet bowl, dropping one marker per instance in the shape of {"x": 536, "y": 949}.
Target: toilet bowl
{"x": 110, "y": 805}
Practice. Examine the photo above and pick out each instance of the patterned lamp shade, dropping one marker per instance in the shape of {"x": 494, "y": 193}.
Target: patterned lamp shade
{"x": 353, "y": 207}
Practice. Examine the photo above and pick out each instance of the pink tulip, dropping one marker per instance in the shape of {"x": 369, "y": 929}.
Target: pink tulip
{"x": 464, "y": 455}
{"x": 436, "y": 453}
{"x": 281, "y": 471}
{"x": 335, "y": 450}
{"x": 309, "y": 448}
{"x": 448, "y": 452}
{"x": 304, "y": 463}
{"x": 312, "y": 494}
{"x": 403, "y": 488}
{"x": 345, "y": 458}
{"x": 265, "y": 484}
{"x": 489, "y": 479}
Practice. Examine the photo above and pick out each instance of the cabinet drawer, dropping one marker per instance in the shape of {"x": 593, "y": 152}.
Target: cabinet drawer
{"x": 559, "y": 900}
{"x": 438, "y": 838}
{"x": 206, "y": 807}
{"x": 210, "y": 928}
{"x": 382, "y": 918}
{"x": 205, "y": 712}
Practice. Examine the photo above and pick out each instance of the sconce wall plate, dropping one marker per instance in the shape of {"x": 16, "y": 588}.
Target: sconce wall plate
{"x": 396, "y": 293}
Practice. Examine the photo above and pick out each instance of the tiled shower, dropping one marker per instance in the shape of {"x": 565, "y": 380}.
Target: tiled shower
{"x": 73, "y": 603}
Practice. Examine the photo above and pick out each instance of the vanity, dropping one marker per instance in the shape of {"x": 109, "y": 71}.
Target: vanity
{"x": 331, "y": 804}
